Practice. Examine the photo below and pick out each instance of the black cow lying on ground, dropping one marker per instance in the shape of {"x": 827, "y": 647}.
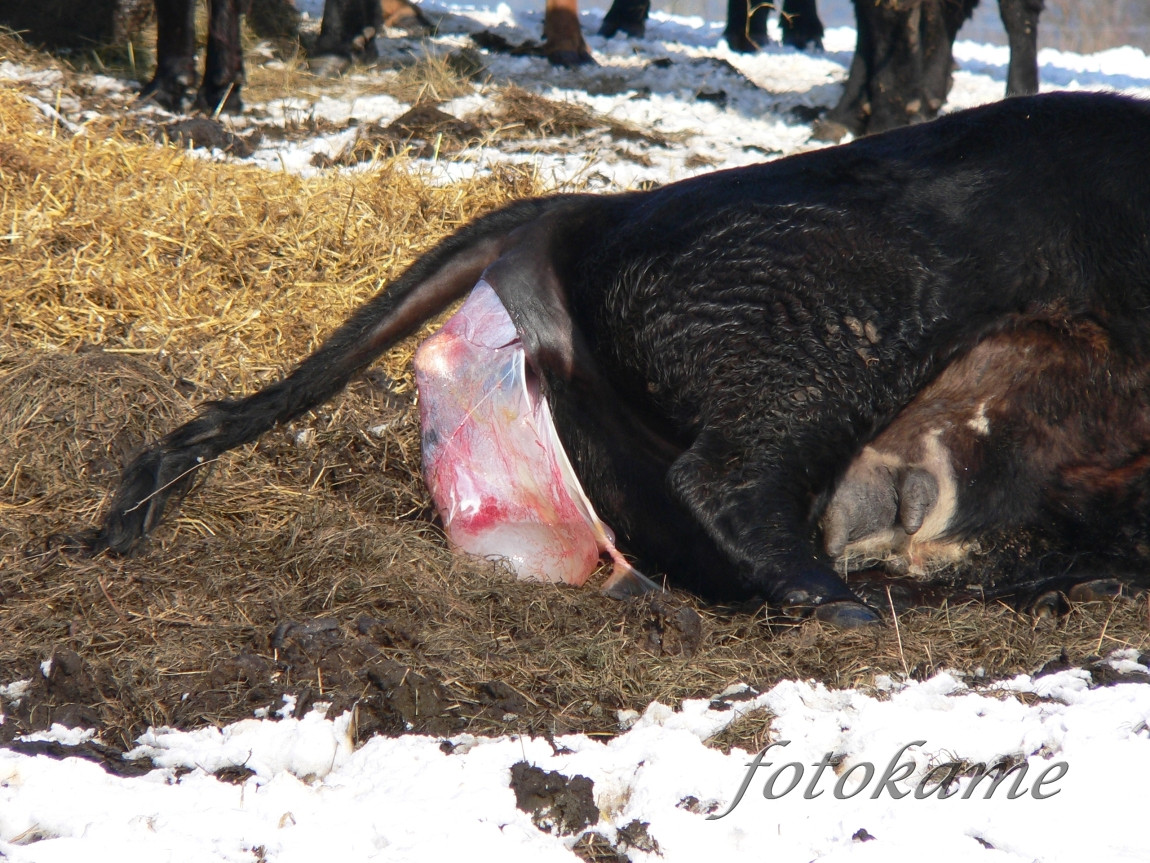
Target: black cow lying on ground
{"x": 717, "y": 351}
{"x": 903, "y": 61}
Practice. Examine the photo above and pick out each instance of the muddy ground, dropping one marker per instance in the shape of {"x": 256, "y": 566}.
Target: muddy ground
{"x": 137, "y": 282}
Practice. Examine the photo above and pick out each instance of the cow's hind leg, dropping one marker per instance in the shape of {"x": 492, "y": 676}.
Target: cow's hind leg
{"x": 224, "y": 64}
{"x": 753, "y": 505}
{"x": 1020, "y": 18}
{"x": 175, "y": 75}
{"x": 746, "y": 25}
{"x": 347, "y": 33}
{"x": 1033, "y": 445}
{"x": 801, "y": 25}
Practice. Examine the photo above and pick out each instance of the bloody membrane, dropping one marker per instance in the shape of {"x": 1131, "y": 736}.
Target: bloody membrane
{"x": 493, "y": 462}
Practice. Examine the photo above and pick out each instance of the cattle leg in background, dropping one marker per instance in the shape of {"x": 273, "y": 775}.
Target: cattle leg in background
{"x": 350, "y": 27}
{"x": 901, "y": 69}
{"x": 1043, "y": 427}
{"x": 1020, "y": 18}
{"x": 171, "y": 86}
{"x": 628, "y": 16}
{"x": 746, "y": 30}
{"x": 563, "y": 41}
{"x": 747, "y": 24}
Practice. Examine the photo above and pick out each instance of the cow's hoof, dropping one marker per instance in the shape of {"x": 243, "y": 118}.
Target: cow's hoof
{"x": 170, "y": 94}
{"x": 219, "y": 101}
{"x": 802, "y": 42}
{"x": 569, "y": 59}
{"x": 631, "y": 31}
{"x": 1057, "y": 602}
{"x": 1051, "y": 603}
{"x": 846, "y": 614}
{"x": 328, "y": 65}
{"x": 1096, "y": 590}
{"x": 829, "y": 131}
{"x": 744, "y": 43}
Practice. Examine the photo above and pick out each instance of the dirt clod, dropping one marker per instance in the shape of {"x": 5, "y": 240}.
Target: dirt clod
{"x": 671, "y": 628}
{"x": 596, "y": 848}
{"x": 112, "y": 760}
{"x": 557, "y": 804}
{"x": 634, "y": 835}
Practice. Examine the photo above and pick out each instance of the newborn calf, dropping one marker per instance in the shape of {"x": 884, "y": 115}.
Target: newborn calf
{"x": 1042, "y": 425}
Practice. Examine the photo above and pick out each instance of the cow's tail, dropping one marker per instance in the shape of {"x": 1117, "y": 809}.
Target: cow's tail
{"x": 167, "y": 469}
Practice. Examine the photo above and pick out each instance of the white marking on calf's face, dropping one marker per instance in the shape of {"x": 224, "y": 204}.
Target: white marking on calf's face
{"x": 980, "y": 423}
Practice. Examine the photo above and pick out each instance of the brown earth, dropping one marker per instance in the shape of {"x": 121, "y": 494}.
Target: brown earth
{"x": 137, "y": 281}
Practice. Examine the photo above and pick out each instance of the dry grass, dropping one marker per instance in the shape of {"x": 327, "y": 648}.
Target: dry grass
{"x": 137, "y": 281}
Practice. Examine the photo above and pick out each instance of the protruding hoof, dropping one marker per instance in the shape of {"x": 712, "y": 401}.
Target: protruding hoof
{"x": 626, "y": 583}
{"x": 1098, "y": 590}
{"x": 846, "y": 615}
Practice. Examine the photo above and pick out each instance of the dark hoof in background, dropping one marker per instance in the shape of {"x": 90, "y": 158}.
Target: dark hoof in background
{"x": 171, "y": 94}
{"x": 632, "y": 22}
{"x": 846, "y": 615}
{"x": 328, "y": 65}
{"x": 829, "y": 131}
{"x": 219, "y": 101}
{"x": 571, "y": 59}
{"x": 815, "y": 46}
{"x": 631, "y": 31}
{"x": 743, "y": 43}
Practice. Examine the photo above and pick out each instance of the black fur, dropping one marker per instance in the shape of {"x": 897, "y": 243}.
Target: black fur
{"x": 716, "y": 351}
